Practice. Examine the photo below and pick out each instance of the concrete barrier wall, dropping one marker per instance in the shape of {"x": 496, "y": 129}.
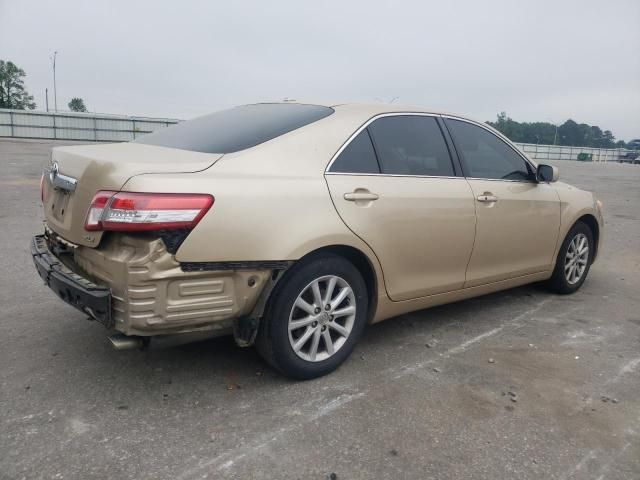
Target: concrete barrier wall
{"x": 77, "y": 126}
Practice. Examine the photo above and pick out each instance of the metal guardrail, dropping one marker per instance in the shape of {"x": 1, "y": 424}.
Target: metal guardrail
{"x": 561, "y": 152}
{"x": 120, "y": 128}
{"x": 77, "y": 126}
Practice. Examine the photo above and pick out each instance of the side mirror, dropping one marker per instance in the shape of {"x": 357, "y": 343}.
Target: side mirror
{"x": 547, "y": 173}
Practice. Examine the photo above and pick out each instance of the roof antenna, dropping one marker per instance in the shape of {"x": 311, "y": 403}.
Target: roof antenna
{"x": 382, "y": 101}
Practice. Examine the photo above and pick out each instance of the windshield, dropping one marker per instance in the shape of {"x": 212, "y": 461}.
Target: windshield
{"x": 238, "y": 128}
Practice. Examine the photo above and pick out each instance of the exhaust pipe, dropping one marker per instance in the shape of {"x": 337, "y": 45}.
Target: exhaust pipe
{"x": 120, "y": 341}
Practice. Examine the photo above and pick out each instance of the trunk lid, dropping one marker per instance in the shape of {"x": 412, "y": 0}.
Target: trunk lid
{"x": 104, "y": 167}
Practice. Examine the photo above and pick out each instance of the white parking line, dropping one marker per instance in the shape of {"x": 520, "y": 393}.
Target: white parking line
{"x": 628, "y": 367}
{"x": 228, "y": 459}
{"x": 515, "y": 322}
{"x": 463, "y": 346}
{"x": 336, "y": 403}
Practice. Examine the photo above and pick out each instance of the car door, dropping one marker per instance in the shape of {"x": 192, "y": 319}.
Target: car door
{"x": 518, "y": 219}
{"x": 394, "y": 185}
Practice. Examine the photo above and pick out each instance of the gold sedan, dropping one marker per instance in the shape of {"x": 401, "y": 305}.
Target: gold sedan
{"x": 295, "y": 225}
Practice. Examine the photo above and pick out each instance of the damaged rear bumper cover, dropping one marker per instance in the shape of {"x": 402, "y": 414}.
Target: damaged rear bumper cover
{"x": 74, "y": 289}
{"x": 133, "y": 285}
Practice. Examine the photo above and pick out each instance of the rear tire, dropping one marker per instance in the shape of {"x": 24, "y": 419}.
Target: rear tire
{"x": 573, "y": 262}
{"x": 314, "y": 318}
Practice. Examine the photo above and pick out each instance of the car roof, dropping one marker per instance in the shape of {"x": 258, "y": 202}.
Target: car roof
{"x": 373, "y": 109}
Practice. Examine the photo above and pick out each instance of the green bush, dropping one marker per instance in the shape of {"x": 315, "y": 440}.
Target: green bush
{"x": 585, "y": 157}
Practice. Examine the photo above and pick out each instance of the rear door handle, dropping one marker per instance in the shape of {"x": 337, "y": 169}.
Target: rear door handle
{"x": 487, "y": 197}
{"x": 366, "y": 196}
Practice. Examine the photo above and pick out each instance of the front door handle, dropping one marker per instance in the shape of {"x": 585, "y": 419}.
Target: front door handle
{"x": 487, "y": 197}
{"x": 362, "y": 195}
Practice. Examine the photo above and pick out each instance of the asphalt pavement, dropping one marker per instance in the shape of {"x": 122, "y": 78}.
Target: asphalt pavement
{"x": 520, "y": 384}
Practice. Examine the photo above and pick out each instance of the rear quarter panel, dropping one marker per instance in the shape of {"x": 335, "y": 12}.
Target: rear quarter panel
{"x": 255, "y": 218}
{"x": 271, "y": 201}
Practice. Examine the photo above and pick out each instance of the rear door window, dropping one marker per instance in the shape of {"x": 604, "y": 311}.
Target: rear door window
{"x": 357, "y": 157}
{"x": 411, "y": 145}
{"x": 485, "y": 155}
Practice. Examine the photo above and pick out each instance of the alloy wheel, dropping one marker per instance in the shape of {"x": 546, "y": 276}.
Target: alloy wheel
{"x": 322, "y": 318}
{"x": 576, "y": 259}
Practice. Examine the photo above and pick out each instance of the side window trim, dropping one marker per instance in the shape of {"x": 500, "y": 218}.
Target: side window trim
{"x": 453, "y": 153}
{"x": 345, "y": 163}
{"x": 458, "y": 173}
{"x": 461, "y": 163}
{"x": 508, "y": 144}
{"x": 375, "y": 149}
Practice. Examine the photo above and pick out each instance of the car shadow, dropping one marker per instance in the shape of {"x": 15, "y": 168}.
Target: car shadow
{"x": 222, "y": 362}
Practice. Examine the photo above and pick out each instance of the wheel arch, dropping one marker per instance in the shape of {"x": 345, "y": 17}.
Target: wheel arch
{"x": 364, "y": 265}
{"x": 593, "y": 225}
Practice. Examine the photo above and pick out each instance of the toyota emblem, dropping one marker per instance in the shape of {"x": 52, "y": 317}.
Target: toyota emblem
{"x": 53, "y": 173}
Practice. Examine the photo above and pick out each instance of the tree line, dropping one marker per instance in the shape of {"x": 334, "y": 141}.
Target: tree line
{"x": 14, "y": 95}
{"x": 570, "y": 133}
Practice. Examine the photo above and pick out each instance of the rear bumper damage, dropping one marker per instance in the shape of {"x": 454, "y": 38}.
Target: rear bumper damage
{"x": 133, "y": 285}
{"x": 74, "y": 289}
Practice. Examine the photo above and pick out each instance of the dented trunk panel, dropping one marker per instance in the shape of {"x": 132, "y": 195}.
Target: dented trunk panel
{"x": 105, "y": 167}
{"x": 151, "y": 295}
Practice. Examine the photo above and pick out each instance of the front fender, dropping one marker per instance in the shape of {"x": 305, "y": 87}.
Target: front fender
{"x": 574, "y": 205}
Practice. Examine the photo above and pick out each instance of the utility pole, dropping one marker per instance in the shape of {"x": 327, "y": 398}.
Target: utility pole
{"x": 555, "y": 136}
{"x": 55, "y": 93}
{"x": 46, "y": 97}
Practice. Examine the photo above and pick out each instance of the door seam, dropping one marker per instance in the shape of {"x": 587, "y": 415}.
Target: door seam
{"x": 384, "y": 280}
{"x": 475, "y": 233}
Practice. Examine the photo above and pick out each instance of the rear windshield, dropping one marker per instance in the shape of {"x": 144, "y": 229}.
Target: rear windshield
{"x": 238, "y": 128}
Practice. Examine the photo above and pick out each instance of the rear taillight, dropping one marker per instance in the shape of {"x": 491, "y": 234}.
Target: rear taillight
{"x": 42, "y": 188}
{"x": 137, "y": 212}
{"x": 96, "y": 210}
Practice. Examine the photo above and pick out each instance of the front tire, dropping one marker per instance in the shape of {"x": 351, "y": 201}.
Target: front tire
{"x": 314, "y": 318}
{"x": 574, "y": 260}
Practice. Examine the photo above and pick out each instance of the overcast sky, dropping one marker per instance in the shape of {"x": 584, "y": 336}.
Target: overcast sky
{"x": 536, "y": 59}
